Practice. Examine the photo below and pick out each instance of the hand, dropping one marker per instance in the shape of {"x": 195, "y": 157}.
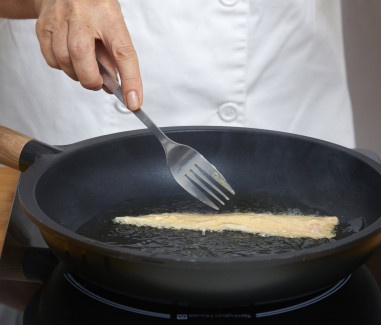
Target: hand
{"x": 72, "y": 32}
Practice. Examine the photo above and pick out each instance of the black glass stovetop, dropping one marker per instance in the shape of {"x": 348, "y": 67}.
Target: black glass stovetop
{"x": 67, "y": 299}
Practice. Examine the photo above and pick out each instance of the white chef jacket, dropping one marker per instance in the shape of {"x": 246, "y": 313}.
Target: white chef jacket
{"x": 269, "y": 64}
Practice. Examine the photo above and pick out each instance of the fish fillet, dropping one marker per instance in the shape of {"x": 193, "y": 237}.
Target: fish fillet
{"x": 292, "y": 226}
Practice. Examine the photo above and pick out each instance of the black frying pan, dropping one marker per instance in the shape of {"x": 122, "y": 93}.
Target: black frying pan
{"x": 65, "y": 188}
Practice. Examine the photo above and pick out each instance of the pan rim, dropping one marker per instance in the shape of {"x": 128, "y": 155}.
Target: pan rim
{"x": 29, "y": 180}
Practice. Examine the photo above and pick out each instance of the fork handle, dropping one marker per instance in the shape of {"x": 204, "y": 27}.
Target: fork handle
{"x": 112, "y": 84}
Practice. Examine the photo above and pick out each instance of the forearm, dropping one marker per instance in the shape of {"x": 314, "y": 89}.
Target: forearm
{"x": 18, "y": 9}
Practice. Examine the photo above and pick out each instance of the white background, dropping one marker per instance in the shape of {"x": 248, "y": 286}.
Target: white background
{"x": 362, "y": 41}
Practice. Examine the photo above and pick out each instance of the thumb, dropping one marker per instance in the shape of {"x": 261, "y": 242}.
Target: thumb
{"x": 126, "y": 61}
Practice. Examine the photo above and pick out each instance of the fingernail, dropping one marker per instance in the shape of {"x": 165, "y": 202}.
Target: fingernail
{"x": 132, "y": 100}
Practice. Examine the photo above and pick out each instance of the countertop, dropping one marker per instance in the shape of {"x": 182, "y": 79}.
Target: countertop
{"x": 8, "y": 182}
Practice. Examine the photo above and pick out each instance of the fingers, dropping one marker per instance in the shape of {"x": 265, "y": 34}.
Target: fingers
{"x": 108, "y": 62}
{"x": 105, "y": 57}
{"x": 52, "y": 37}
{"x": 44, "y": 35}
{"x": 81, "y": 47}
{"x": 61, "y": 51}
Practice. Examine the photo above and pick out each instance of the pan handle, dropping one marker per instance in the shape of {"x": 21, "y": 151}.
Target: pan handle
{"x": 19, "y": 151}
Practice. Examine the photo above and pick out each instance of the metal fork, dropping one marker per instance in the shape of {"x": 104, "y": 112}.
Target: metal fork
{"x": 188, "y": 167}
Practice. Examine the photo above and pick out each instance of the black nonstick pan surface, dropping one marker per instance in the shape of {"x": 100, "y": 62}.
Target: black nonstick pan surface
{"x": 73, "y": 192}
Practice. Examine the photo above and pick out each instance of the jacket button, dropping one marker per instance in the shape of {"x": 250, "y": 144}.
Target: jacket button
{"x": 228, "y": 112}
{"x": 121, "y": 108}
{"x": 229, "y": 3}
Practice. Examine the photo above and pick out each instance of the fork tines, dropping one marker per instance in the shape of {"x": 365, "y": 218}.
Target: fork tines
{"x": 207, "y": 182}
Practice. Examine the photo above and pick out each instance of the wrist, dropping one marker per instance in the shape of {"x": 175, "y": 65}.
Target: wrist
{"x": 19, "y": 9}
{"x": 37, "y": 6}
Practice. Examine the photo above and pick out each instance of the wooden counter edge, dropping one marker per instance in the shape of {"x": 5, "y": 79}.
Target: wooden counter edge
{"x": 8, "y": 183}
